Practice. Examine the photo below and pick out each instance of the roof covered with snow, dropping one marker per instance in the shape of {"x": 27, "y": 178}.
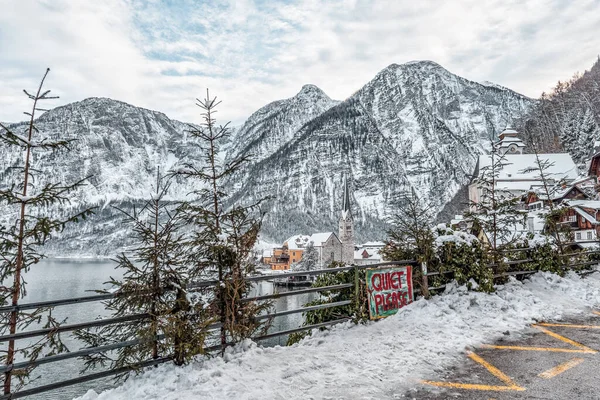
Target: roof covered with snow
{"x": 509, "y": 131}
{"x": 589, "y": 218}
{"x": 267, "y": 253}
{"x": 297, "y": 242}
{"x": 371, "y": 254}
{"x": 509, "y": 140}
{"x": 595, "y": 204}
{"x": 373, "y": 244}
{"x": 319, "y": 238}
{"x": 523, "y": 167}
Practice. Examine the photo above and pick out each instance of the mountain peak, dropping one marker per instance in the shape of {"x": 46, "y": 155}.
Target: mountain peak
{"x": 312, "y": 90}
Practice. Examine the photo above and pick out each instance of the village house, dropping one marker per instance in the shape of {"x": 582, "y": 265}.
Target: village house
{"x": 582, "y": 218}
{"x": 558, "y": 194}
{"x": 368, "y": 253}
{"x": 519, "y": 173}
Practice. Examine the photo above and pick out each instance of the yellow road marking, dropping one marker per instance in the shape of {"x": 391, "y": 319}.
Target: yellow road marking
{"x": 571, "y": 326}
{"x": 471, "y": 386}
{"x": 564, "y": 339}
{"x": 493, "y": 370}
{"x": 559, "y": 369}
{"x": 511, "y": 385}
{"x": 596, "y": 312}
{"x": 551, "y": 349}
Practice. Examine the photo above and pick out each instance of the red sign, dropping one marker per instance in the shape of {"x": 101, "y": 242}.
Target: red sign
{"x": 389, "y": 289}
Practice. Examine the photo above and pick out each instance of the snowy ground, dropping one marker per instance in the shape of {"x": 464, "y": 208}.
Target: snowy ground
{"x": 376, "y": 361}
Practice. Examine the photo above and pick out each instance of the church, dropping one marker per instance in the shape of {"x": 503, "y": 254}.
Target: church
{"x": 329, "y": 245}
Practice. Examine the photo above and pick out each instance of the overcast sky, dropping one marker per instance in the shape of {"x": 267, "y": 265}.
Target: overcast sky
{"x": 162, "y": 54}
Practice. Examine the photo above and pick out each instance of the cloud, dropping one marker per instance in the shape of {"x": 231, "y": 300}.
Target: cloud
{"x": 161, "y": 55}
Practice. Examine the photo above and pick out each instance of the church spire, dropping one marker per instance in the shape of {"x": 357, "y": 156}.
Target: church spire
{"x": 346, "y": 200}
{"x": 346, "y": 227}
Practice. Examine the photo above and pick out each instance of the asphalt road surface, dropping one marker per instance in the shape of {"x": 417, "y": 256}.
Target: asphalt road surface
{"x": 554, "y": 360}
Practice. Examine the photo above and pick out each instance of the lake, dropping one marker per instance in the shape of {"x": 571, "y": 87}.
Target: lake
{"x": 60, "y": 279}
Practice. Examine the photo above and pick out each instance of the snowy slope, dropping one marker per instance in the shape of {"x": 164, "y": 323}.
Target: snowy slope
{"x": 119, "y": 147}
{"x": 414, "y": 126}
{"x": 379, "y": 360}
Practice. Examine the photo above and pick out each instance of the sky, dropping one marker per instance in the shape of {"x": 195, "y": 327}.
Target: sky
{"x": 162, "y": 55}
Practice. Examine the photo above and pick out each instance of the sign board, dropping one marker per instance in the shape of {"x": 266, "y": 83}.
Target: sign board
{"x": 389, "y": 289}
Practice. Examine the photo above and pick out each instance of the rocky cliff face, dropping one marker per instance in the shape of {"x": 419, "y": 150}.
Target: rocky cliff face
{"x": 415, "y": 127}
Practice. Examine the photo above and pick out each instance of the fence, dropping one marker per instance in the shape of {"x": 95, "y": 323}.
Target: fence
{"x": 425, "y": 288}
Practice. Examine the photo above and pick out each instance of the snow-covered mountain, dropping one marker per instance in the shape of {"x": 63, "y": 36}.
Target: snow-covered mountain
{"x": 120, "y": 147}
{"x": 414, "y": 126}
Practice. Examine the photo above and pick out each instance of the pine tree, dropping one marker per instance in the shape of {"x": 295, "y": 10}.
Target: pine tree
{"x": 154, "y": 286}
{"x": 554, "y": 215}
{"x": 310, "y": 259}
{"x": 410, "y": 236}
{"x": 21, "y": 242}
{"x": 495, "y": 213}
{"x": 222, "y": 235}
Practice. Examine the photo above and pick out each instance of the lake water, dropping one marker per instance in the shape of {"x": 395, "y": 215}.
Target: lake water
{"x": 60, "y": 279}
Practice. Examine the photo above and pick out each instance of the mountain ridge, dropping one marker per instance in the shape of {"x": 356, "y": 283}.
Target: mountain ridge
{"x": 414, "y": 126}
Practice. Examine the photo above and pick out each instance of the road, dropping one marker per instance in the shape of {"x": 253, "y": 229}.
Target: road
{"x": 556, "y": 360}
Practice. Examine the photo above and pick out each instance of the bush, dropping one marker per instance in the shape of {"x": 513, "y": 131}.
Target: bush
{"x": 358, "y": 309}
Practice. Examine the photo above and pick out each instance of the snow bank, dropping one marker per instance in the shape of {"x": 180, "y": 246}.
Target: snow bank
{"x": 373, "y": 361}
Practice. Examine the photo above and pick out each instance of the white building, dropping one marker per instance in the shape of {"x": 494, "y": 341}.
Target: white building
{"x": 519, "y": 173}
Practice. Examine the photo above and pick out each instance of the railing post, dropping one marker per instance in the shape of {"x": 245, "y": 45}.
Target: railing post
{"x": 356, "y": 289}
{"x": 424, "y": 280}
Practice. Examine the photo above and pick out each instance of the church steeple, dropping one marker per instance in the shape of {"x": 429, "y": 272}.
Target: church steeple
{"x": 510, "y": 142}
{"x": 346, "y": 227}
{"x": 346, "y": 201}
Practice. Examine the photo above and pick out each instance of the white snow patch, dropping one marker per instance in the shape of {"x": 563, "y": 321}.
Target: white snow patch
{"x": 378, "y": 360}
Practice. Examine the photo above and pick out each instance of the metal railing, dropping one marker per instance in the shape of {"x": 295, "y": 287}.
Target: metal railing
{"x": 209, "y": 284}
{"x": 136, "y": 317}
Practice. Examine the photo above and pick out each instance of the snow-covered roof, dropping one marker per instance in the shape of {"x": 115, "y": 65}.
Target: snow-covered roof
{"x": 319, "y": 238}
{"x": 585, "y": 181}
{"x": 557, "y": 192}
{"x": 373, "y": 244}
{"x": 267, "y": 253}
{"x": 509, "y": 131}
{"x": 298, "y": 242}
{"x": 510, "y": 140}
{"x": 517, "y": 185}
{"x": 523, "y": 167}
{"x": 522, "y": 228}
{"x": 595, "y": 204}
{"x": 373, "y": 254}
{"x": 585, "y": 215}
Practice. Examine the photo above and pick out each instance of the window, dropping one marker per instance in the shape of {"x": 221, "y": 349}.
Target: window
{"x": 572, "y": 218}
{"x": 589, "y": 236}
{"x": 578, "y": 236}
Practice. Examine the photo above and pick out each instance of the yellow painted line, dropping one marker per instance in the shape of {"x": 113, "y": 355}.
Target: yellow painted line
{"x": 570, "y": 326}
{"x": 596, "y": 312}
{"x": 564, "y": 339}
{"x": 511, "y": 385}
{"x": 471, "y": 386}
{"x": 524, "y": 348}
{"x": 493, "y": 370}
{"x": 559, "y": 369}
